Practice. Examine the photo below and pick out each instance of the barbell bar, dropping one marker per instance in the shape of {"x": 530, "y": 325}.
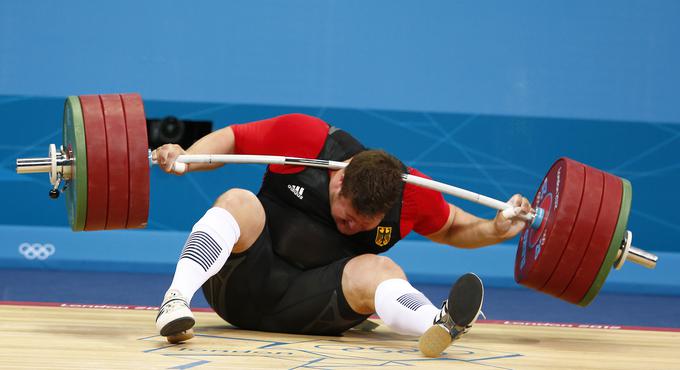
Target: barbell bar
{"x": 508, "y": 211}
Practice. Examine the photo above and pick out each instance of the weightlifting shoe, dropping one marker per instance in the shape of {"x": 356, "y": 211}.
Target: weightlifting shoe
{"x": 456, "y": 317}
{"x": 175, "y": 319}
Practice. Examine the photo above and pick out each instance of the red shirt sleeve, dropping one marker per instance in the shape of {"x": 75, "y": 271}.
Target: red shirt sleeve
{"x": 291, "y": 135}
{"x": 424, "y": 211}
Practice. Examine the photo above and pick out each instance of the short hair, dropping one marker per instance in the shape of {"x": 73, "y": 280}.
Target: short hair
{"x": 373, "y": 182}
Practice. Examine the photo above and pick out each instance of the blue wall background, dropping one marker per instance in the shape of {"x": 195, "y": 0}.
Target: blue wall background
{"x": 605, "y": 59}
{"x": 483, "y": 95}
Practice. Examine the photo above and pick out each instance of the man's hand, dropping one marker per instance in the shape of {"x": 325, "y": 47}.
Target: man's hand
{"x": 166, "y": 155}
{"x": 508, "y": 228}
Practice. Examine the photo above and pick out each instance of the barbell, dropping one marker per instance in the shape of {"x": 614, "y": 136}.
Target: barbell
{"x": 577, "y": 232}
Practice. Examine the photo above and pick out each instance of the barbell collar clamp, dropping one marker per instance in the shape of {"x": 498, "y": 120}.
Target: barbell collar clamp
{"x": 54, "y": 192}
{"x": 57, "y": 163}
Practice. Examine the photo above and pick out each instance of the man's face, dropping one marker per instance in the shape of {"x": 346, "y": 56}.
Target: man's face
{"x": 348, "y": 220}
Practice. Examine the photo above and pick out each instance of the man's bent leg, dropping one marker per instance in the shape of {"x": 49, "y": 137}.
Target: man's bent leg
{"x": 233, "y": 223}
{"x": 377, "y": 284}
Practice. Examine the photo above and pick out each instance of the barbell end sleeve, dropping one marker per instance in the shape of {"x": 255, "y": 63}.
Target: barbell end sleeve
{"x": 642, "y": 257}
{"x": 33, "y": 165}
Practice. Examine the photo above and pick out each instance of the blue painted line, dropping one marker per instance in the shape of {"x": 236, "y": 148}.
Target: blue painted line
{"x": 447, "y": 359}
{"x": 243, "y": 339}
{"x": 400, "y": 124}
{"x": 203, "y": 112}
{"x": 340, "y": 357}
{"x": 398, "y": 362}
{"x": 283, "y": 343}
{"x": 190, "y": 365}
{"x": 245, "y": 353}
{"x": 471, "y": 362}
{"x": 11, "y": 158}
{"x": 645, "y": 153}
{"x": 496, "y": 159}
{"x": 443, "y": 139}
{"x": 149, "y": 337}
{"x": 321, "y": 111}
{"x": 460, "y": 165}
{"x": 492, "y": 180}
{"x": 497, "y": 357}
{"x": 159, "y": 348}
{"x": 656, "y": 220}
{"x": 306, "y": 365}
{"x": 199, "y": 190}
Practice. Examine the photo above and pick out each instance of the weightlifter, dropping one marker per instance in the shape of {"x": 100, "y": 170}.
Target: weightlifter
{"x": 302, "y": 255}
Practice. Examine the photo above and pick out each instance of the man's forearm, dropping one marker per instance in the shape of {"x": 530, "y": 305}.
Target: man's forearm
{"x": 217, "y": 142}
{"x": 469, "y": 231}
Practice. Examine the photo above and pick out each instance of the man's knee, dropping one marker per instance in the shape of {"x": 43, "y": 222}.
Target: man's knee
{"x": 248, "y": 212}
{"x": 376, "y": 268}
{"x": 235, "y": 198}
{"x": 361, "y": 277}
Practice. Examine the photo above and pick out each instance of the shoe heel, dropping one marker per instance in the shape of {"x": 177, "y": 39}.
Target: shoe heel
{"x": 434, "y": 341}
{"x": 180, "y": 337}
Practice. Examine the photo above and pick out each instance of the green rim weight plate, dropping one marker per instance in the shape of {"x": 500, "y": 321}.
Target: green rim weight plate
{"x": 610, "y": 258}
{"x": 74, "y": 146}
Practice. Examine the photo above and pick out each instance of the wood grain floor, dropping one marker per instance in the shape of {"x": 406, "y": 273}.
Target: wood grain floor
{"x": 36, "y": 337}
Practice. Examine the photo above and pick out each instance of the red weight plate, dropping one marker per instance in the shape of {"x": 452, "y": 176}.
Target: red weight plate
{"x": 117, "y": 149}
{"x": 138, "y": 155}
{"x": 599, "y": 243}
{"x": 540, "y": 249}
{"x": 580, "y": 234}
{"x": 97, "y": 163}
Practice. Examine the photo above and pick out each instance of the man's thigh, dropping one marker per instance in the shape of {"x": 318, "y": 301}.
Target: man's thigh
{"x": 258, "y": 290}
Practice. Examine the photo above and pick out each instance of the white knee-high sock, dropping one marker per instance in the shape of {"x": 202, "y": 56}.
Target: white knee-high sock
{"x": 205, "y": 251}
{"x": 403, "y": 308}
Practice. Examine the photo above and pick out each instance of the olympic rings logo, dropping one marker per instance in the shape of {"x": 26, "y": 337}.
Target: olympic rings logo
{"x": 36, "y": 251}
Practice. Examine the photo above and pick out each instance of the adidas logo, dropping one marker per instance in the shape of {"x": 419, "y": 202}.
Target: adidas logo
{"x": 297, "y": 190}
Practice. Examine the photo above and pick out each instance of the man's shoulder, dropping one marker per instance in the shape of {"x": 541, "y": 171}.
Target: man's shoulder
{"x": 302, "y": 118}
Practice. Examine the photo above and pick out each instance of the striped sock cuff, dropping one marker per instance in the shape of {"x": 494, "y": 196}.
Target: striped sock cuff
{"x": 413, "y": 301}
{"x": 202, "y": 249}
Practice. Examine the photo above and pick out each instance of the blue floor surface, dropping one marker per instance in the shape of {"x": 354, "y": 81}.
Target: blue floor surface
{"x": 499, "y": 304}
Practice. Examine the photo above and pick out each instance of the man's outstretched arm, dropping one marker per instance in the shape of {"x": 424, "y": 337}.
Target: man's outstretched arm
{"x": 217, "y": 142}
{"x": 295, "y": 135}
{"x": 465, "y": 230}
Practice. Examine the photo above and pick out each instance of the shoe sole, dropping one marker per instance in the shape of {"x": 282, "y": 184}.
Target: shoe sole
{"x": 466, "y": 298}
{"x": 177, "y": 326}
